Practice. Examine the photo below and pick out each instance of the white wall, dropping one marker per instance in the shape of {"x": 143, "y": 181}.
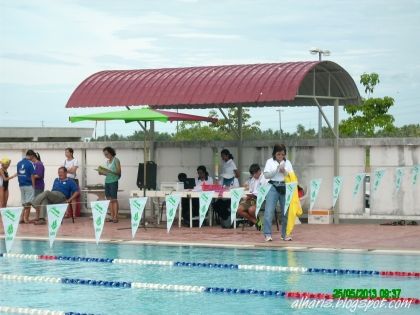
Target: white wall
{"x": 309, "y": 161}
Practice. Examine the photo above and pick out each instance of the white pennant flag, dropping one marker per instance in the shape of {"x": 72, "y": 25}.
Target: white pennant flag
{"x": 357, "y": 183}
{"x": 415, "y": 173}
{"x": 99, "y": 209}
{"x": 172, "y": 203}
{"x": 136, "y": 208}
{"x": 204, "y": 202}
{"x": 290, "y": 188}
{"x": 399, "y": 174}
{"x": 262, "y": 193}
{"x": 337, "y": 185}
{"x": 315, "y": 186}
{"x": 55, "y": 215}
{"x": 235, "y": 198}
{"x": 10, "y": 218}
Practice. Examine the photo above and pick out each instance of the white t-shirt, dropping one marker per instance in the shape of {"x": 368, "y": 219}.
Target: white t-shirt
{"x": 69, "y": 164}
{"x": 199, "y": 182}
{"x": 255, "y": 183}
{"x": 228, "y": 169}
{"x": 271, "y": 171}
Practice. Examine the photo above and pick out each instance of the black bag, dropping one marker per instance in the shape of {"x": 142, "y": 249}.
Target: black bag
{"x": 281, "y": 189}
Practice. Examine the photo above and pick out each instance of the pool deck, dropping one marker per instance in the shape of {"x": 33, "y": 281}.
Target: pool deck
{"x": 347, "y": 237}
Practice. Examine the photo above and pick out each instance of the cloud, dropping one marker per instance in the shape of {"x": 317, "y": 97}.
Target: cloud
{"x": 38, "y": 58}
{"x": 203, "y": 35}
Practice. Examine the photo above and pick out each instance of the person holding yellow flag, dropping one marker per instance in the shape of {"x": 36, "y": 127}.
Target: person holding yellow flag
{"x": 277, "y": 168}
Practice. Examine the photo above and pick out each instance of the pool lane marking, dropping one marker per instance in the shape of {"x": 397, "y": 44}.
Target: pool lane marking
{"x": 217, "y": 265}
{"x": 184, "y": 288}
{"x": 38, "y": 311}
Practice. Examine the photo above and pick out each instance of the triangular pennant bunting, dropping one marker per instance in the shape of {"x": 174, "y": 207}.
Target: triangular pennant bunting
{"x": 10, "y": 218}
{"x": 204, "y": 202}
{"x": 235, "y": 195}
{"x": 99, "y": 209}
{"x": 172, "y": 203}
{"x": 55, "y": 215}
{"x": 136, "y": 208}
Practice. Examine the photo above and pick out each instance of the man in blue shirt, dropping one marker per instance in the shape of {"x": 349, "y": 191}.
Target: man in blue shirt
{"x": 64, "y": 190}
{"x": 25, "y": 169}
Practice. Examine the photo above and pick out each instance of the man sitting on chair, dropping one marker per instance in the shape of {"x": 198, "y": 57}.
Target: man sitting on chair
{"x": 64, "y": 190}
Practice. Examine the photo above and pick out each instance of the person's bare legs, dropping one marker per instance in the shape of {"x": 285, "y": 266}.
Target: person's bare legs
{"x": 26, "y": 212}
{"x": 5, "y": 198}
{"x": 2, "y": 198}
{"x": 251, "y": 212}
{"x": 73, "y": 207}
{"x": 114, "y": 209}
{"x": 245, "y": 214}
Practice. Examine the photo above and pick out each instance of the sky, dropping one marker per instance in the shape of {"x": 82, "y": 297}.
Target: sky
{"x": 48, "y": 47}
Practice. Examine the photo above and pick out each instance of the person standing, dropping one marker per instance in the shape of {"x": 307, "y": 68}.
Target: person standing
{"x": 112, "y": 173}
{"x": 229, "y": 169}
{"x": 38, "y": 183}
{"x": 25, "y": 170}
{"x": 276, "y": 168}
{"x": 71, "y": 164}
{"x": 4, "y": 181}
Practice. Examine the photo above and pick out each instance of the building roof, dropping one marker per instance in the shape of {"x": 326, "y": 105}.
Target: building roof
{"x": 43, "y": 134}
{"x": 252, "y": 85}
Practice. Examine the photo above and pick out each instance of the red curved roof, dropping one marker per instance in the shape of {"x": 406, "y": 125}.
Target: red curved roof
{"x": 253, "y": 85}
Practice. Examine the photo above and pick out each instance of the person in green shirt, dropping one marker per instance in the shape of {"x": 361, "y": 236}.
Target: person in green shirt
{"x": 112, "y": 173}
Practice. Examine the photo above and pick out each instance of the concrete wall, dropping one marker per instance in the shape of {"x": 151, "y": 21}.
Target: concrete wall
{"x": 310, "y": 160}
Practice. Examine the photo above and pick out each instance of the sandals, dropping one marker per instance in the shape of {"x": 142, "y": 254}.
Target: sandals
{"x": 115, "y": 221}
{"x": 108, "y": 220}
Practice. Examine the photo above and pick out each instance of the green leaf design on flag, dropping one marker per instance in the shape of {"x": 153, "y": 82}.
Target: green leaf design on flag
{"x": 98, "y": 221}
{"x": 136, "y": 216}
{"x": 54, "y": 225}
{"x": 10, "y": 229}
{"x": 171, "y": 213}
{"x": 235, "y": 204}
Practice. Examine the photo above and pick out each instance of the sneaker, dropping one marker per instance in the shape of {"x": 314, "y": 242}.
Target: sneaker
{"x": 287, "y": 238}
{"x": 268, "y": 238}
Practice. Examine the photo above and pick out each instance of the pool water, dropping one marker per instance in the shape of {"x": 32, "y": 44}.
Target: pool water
{"x": 103, "y": 300}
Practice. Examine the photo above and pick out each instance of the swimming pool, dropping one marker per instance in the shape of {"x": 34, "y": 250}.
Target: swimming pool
{"x": 112, "y": 300}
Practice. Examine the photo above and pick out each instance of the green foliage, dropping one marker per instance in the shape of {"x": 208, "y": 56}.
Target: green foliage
{"x": 371, "y": 116}
{"x": 369, "y": 81}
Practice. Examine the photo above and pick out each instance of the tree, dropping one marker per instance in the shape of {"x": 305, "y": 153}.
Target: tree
{"x": 372, "y": 115}
{"x": 221, "y": 130}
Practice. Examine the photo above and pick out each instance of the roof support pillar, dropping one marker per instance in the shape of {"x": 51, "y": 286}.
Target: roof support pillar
{"x": 240, "y": 140}
{"x": 325, "y": 116}
{"x": 336, "y": 157}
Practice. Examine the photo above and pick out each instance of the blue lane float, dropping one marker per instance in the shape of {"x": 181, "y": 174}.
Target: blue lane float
{"x": 182, "y": 288}
{"x": 189, "y": 264}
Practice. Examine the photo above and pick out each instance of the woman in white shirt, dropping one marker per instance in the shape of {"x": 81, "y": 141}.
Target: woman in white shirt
{"x": 203, "y": 177}
{"x": 71, "y": 164}
{"x": 229, "y": 169}
{"x": 275, "y": 169}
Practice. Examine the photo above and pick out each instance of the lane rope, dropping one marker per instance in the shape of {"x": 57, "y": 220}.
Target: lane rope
{"x": 35, "y": 311}
{"x": 216, "y": 265}
{"x": 184, "y": 288}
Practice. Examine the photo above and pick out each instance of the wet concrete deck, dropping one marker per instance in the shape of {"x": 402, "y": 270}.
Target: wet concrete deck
{"x": 342, "y": 236}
